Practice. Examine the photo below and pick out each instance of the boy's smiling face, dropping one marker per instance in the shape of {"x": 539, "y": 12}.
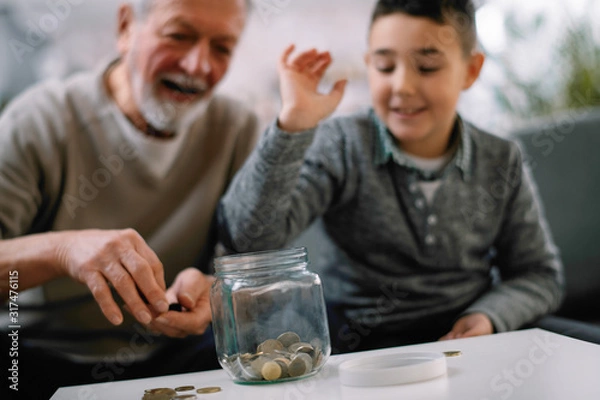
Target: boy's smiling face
{"x": 417, "y": 69}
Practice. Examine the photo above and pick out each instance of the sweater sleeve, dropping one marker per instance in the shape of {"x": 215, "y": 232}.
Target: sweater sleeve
{"x": 30, "y": 165}
{"x": 287, "y": 182}
{"x": 532, "y": 282}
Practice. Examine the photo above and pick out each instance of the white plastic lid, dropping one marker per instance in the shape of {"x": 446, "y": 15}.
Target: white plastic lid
{"x": 392, "y": 369}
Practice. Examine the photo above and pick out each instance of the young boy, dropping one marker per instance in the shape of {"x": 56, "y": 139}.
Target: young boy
{"x": 417, "y": 204}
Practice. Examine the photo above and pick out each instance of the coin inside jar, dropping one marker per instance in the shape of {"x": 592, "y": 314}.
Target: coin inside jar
{"x": 269, "y": 346}
{"x": 300, "y": 365}
{"x": 284, "y": 364}
{"x": 282, "y": 351}
{"x": 271, "y": 371}
{"x": 301, "y": 347}
{"x": 317, "y": 358}
{"x": 288, "y": 338}
{"x": 184, "y": 397}
{"x": 258, "y": 364}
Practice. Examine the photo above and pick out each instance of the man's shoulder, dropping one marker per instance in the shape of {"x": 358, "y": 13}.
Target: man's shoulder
{"x": 54, "y": 98}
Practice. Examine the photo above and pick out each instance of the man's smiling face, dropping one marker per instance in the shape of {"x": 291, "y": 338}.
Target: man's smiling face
{"x": 178, "y": 53}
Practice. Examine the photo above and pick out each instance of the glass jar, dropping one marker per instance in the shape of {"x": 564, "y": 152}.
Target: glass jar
{"x": 269, "y": 317}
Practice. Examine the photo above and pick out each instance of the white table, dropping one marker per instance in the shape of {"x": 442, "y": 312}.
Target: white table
{"x": 523, "y": 365}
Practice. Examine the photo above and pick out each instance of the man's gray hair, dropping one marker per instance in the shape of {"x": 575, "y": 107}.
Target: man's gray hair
{"x": 142, "y": 8}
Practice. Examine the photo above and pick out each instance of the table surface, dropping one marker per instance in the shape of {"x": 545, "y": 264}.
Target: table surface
{"x": 522, "y": 365}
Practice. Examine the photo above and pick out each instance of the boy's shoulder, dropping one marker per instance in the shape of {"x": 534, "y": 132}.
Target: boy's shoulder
{"x": 351, "y": 130}
{"x": 489, "y": 145}
{"x": 351, "y": 123}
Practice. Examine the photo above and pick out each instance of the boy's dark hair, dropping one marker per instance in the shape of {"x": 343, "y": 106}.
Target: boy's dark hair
{"x": 458, "y": 13}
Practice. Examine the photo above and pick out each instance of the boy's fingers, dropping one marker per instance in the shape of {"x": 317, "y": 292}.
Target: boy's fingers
{"x": 337, "y": 92}
{"x": 319, "y": 67}
{"x": 283, "y": 61}
{"x": 304, "y": 60}
{"x": 448, "y": 336}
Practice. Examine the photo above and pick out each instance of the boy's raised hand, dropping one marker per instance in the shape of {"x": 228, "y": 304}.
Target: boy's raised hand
{"x": 303, "y": 107}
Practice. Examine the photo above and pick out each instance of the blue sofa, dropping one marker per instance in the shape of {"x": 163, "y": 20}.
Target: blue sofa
{"x": 563, "y": 153}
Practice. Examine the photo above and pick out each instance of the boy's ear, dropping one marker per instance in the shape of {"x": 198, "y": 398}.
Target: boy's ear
{"x": 474, "y": 66}
{"x": 367, "y": 58}
{"x": 125, "y": 22}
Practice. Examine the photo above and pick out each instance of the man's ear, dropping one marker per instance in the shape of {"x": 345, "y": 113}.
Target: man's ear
{"x": 125, "y": 22}
{"x": 474, "y": 66}
{"x": 367, "y": 58}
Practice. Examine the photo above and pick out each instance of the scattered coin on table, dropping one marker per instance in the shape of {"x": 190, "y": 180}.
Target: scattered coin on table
{"x": 209, "y": 389}
{"x": 453, "y": 353}
{"x": 171, "y": 394}
{"x": 159, "y": 394}
{"x": 184, "y": 388}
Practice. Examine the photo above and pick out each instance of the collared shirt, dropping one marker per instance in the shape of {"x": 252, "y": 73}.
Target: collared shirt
{"x": 391, "y": 259}
{"x": 385, "y": 149}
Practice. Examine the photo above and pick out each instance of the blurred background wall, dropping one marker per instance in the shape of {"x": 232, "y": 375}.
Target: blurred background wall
{"x": 543, "y": 55}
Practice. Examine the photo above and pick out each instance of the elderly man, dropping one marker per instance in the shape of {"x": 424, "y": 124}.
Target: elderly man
{"x": 108, "y": 186}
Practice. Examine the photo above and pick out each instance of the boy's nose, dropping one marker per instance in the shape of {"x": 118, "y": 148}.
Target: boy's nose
{"x": 404, "y": 81}
{"x": 196, "y": 61}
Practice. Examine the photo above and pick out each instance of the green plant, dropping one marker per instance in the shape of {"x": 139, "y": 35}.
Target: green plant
{"x": 573, "y": 73}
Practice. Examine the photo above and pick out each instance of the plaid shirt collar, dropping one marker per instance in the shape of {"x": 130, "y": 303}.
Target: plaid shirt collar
{"x": 385, "y": 149}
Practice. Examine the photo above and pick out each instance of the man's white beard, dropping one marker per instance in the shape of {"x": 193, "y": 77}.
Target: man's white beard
{"x": 162, "y": 115}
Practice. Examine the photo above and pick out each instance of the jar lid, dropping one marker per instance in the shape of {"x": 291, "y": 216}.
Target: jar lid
{"x": 392, "y": 369}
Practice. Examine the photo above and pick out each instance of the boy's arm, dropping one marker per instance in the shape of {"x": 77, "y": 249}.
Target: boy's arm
{"x": 278, "y": 193}
{"x": 531, "y": 270}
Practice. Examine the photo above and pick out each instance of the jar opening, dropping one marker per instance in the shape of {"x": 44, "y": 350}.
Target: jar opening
{"x": 261, "y": 259}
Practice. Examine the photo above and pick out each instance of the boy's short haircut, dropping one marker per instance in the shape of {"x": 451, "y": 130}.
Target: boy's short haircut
{"x": 458, "y": 13}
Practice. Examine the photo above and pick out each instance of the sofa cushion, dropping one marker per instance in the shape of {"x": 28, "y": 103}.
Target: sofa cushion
{"x": 563, "y": 153}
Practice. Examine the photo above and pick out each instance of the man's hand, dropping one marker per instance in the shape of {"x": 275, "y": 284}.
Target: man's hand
{"x": 302, "y": 105}
{"x": 117, "y": 258}
{"x": 191, "y": 289}
{"x": 476, "y": 324}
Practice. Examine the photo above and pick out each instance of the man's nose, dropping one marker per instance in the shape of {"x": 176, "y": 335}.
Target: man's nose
{"x": 196, "y": 61}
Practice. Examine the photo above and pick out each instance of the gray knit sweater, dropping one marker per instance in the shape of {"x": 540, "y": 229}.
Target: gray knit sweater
{"x": 65, "y": 164}
{"x": 388, "y": 256}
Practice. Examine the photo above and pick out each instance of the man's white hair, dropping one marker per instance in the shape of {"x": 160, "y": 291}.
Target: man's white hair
{"x": 142, "y": 7}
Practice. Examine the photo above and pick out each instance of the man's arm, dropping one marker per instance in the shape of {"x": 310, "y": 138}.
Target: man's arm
{"x": 30, "y": 173}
